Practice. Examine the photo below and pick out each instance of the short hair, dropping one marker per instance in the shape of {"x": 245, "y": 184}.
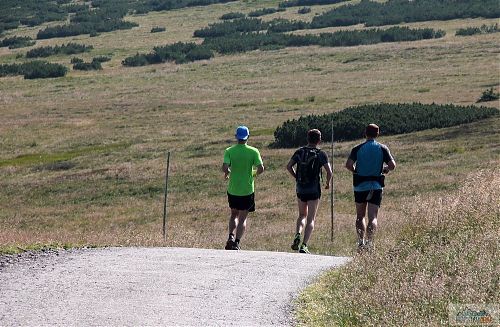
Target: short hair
{"x": 372, "y": 130}
{"x": 313, "y": 136}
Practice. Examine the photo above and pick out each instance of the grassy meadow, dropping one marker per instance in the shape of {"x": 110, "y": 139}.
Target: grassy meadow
{"x": 82, "y": 157}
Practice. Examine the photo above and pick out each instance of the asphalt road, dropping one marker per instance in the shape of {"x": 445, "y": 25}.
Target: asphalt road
{"x": 156, "y": 287}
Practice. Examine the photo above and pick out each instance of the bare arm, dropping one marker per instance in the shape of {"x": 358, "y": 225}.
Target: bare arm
{"x": 226, "y": 170}
{"x": 350, "y": 165}
{"x": 391, "y": 165}
{"x": 260, "y": 170}
{"x": 329, "y": 175}
{"x": 290, "y": 168}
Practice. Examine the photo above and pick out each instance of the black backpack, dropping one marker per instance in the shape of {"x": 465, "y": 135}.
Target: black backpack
{"x": 308, "y": 166}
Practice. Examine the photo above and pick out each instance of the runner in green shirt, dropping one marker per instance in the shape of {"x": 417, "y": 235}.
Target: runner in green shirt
{"x": 242, "y": 163}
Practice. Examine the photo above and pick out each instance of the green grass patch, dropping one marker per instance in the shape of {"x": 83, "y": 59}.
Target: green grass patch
{"x": 50, "y": 158}
{"x": 262, "y": 131}
{"x": 16, "y": 249}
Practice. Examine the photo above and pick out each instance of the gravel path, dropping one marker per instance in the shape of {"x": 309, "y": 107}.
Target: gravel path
{"x": 156, "y": 286}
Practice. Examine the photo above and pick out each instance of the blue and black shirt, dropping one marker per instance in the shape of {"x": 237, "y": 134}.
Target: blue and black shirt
{"x": 369, "y": 158}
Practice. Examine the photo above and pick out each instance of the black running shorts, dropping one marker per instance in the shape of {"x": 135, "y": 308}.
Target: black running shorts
{"x": 373, "y": 196}
{"x": 246, "y": 202}
{"x": 309, "y": 196}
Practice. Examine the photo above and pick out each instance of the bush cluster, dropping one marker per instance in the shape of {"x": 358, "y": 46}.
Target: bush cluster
{"x": 298, "y": 3}
{"x": 70, "y": 48}
{"x": 251, "y": 41}
{"x": 230, "y": 27}
{"x": 33, "y": 69}
{"x": 76, "y": 60}
{"x": 240, "y": 35}
{"x": 232, "y": 15}
{"x": 101, "y": 59}
{"x": 178, "y": 52}
{"x": 89, "y": 18}
{"x": 103, "y": 17}
{"x": 400, "y": 118}
{"x": 484, "y": 29}
{"x": 30, "y": 12}
{"x": 17, "y": 42}
{"x": 398, "y": 11}
{"x": 145, "y": 6}
{"x": 368, "y": 12}
{"x": 264, "y": 11}
{"x": 93, "y": 65}
{"x": 280, "y": 25}
{"x": 84, "y": 28}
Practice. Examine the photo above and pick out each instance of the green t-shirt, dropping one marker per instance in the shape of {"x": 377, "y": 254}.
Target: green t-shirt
{"x": 241, "y": 158}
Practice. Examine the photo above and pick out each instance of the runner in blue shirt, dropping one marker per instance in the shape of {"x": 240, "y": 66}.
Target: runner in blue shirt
{"x": 368, "y": 162}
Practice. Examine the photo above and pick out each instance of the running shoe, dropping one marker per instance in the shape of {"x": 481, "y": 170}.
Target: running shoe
{"x": 296, "y": 242}
{"x": 236, "y": 246}
{"x": 304, "y": 249}
{"x": 229, "y": 244}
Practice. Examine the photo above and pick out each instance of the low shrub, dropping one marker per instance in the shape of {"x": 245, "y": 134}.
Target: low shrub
{"x": 234, "y": 43}
{"x": 74, "y": 29}
{"x": 489, "y": 95}
{"x": 178, "y": 52}
{"x": 42, "y": 69}
{"x": 232, "y": 15}
{"x": 264, "y": 11}
{"x": 17, "y": 42}
{"x": 33, "y": 69}
{"x": 400, "y": 118}
{"x": 94, "y": 65}
{"x": 304, "y": 10}
{"x": 484, "y": 29}
{"x": 158, "y": 29}
{"x": 135, "y": 60}
{"x": 298, "y": 3}
{"x": 70, "y": 48}
{"x": 101, "y": 59}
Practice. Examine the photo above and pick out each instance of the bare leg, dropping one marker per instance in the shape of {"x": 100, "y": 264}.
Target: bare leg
{"x": 312, "y": 209}
{"x": 301, "y": 220}
{"x": 242, "y": 223}
{"x": 372, "y": 221}
{"x": 360, "y": 220}
{"x": 233, "y": 221}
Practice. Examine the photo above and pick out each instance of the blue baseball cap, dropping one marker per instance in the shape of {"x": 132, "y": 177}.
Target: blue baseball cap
{"x": 242, "y": 133}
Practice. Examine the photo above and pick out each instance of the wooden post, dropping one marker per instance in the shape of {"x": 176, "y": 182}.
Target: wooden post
{"x": 165, "y": 199}
{"x": 332, "y": 189}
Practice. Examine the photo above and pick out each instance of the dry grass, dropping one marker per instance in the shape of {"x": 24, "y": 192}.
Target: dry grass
{"x": 444, "y": 249}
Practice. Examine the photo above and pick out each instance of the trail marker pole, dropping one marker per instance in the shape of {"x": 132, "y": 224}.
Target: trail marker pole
{"x": 165, "y": 199}
{"x": 332, "y": 190}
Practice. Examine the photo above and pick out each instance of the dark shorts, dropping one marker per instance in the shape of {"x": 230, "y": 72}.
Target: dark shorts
{"x": 309, "y": 196}
{"x": 246, "y": 202}
{"x": 373, "y": 196}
